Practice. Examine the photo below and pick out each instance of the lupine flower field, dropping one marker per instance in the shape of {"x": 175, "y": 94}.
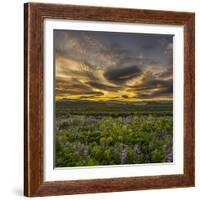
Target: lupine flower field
{"x": 90, "y": 136}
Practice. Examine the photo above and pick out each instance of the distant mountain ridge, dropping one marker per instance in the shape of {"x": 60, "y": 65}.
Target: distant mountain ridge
{"x": 152, "y": 103}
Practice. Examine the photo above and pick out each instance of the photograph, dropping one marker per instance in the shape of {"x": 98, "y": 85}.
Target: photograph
{"x": 113, "y": 98}
{"x": 109, "y": 99}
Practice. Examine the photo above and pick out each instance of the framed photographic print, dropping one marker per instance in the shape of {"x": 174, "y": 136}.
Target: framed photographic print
{"x": 109, "y": 99}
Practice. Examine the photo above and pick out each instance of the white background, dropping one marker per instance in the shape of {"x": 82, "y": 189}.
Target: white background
{"x": 51, "y": 174}
{"x": 11, "y": 100}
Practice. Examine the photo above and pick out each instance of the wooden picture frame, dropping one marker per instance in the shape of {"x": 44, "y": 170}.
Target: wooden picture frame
{"x": 34, "y": 15}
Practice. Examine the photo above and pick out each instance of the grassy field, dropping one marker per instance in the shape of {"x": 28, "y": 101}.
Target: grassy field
{"x": 111, "y": 133}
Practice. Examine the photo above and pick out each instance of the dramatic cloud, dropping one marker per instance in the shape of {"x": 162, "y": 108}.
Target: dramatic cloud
{"x": 103, "y": 86}
{"x": 113, "y": 66}
{"x": 167, "y": 73}
{"x": 153, "y": 84}
{"x": 125, "y": 96}
{"x": 154, "y": 88}
{"x": 122, "y": 74}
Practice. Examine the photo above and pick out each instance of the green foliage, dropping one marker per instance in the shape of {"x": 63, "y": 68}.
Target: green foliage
{"x": 88, "y": 140}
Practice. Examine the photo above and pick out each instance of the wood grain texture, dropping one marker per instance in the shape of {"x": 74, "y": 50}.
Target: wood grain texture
{"x": 34, "y": 15}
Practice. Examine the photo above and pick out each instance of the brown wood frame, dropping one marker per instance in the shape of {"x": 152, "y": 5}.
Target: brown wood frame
{"x": 34, "y": 15}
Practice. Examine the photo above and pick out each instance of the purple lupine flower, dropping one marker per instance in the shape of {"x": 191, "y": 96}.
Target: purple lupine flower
{"x": 168, "y": 153}
{"x": 165, "y": 148}
{"x": 170, "y": 157}
{"x": 127, "y": 119}
{"x": 123, "y": 156}
{"x": 115, "y": 149}
{"x": 136, "y": 151}
{"x": 142, "y": 119}
{"x": 85, "y": 153}
{"x": 78, "y": 148}
{"x": 145, "y": 157}
{"x": 90, "y": 120}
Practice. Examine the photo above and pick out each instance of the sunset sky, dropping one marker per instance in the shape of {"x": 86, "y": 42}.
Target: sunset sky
{"x": 113, "y": 66}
